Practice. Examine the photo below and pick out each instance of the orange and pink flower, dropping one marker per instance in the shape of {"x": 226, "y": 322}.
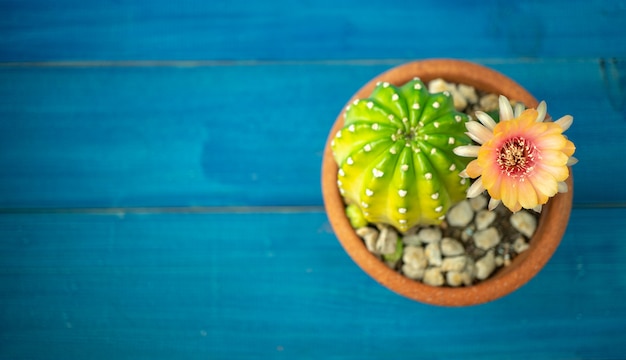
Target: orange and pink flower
{"x": 521, "y": 161}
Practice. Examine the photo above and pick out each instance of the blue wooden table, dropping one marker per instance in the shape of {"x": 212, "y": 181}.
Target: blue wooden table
{"x": 160, "y": 170}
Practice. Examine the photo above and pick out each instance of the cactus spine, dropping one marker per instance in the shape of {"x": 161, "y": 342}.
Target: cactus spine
{"x": 395, "y": 155}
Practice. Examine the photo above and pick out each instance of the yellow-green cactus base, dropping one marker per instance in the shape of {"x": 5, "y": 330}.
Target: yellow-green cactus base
{"x": 395, "y": 155}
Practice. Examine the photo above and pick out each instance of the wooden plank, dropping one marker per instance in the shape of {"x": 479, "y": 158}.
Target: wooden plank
{"x": 264, "y": 285}
{"x": 38, "y": 30}
{"x": 236, "y": 135}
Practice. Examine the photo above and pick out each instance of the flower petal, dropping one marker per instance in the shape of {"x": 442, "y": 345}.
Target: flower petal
{"x": 553, "y": 158}
{"x": 552, "y": 142}
{"x": 506, "y": 112}
{"x": 476, "y": 188}
{"x": 477, "y": 132}
{"x": 565, "y": 122}
{"x": 473, "y": 170}
{"x": 493, "y": 203}
{"x": 527, "y": 194}
{"x": 467, "y": 150}
{"x": 569, "y": 148}
{"x": 541, "y": 111}
{"x": 545, "y": 185}
{"x": 572, "y": 161}
{"x": 562, "y": 187}
{"x": 490, "y": 175}
{"x": 519, "y": 107}
{"x": 485, "y": 119}
{"x": 560, "y": 173}
{"x": 509, "y": 193}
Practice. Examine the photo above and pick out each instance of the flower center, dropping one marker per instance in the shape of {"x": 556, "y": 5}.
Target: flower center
{"x": 517, "y": 157}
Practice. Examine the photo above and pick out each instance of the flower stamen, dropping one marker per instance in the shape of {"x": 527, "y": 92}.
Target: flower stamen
{"x": 517, "y": 157}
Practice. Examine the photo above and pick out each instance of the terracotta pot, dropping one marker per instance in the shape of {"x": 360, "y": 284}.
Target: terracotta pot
{"x": 552, "y": 222}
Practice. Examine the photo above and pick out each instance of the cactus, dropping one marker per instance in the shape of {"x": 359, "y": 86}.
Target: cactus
{"x": 395, "y": 155}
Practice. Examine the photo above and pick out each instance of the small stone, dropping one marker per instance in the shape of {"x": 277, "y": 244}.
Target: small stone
{"x": 489, "y": 102}
{"x": 467, "y": 233}
{"x": 433, "y": 254}
{"x": 470, "y": 270}
{"x": 467, "y": 277}
{"x": 413, "y": 240}
{"x": 524, "y": 222}
{"x": 455, "y": 263}
{"x": 460, "y": 102}
{"x": 437, "y": 86}
{"x": 451, "y": 247}
{"x": 429, "y": 235}
{"x": 485, "y": 266}
{"x": 486, "y": 239}
{"x": 433, "y": 277}
{"x": 484, "y": 218}
{"x": 478, "y": 203}
{"x": 455, "y": 278}
{"x": 507, "y": 259}
{"x": 468, "y": 92}
{"x": 386, "y": 242}
{"x": 520, "y": 245}
{"x": 369, "y": 236}
{"x": 461, "y": 214}
{"x": 415, "y": 257}
{"x": 413, "y": 272}
{"x": 499, "y": 260}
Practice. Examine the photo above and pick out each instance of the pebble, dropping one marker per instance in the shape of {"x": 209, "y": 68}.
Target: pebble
{"x": 369, "y": 236}
{"x": 459, "y": 99}
{"x": 485, "y": 265}
{"x": 415, "y": 257}
{"x": 520, "y": 245}
{"x": 433, "y": 254}
{"x": 455, "y": 278}
{"x": 499, "y": 260}
{"x": 524, "y": 222}
{"x": 386, "y": 242}
{"x": 470, "y": 270}
{"x": 429, "y": 235}
{"x": 461, "y": 214}
{"x": 437, "y": 85}
{"x": 478, "y": 203}
{"x": 489, "y": 102}
{"x": 455, "y": 263}
{"x": 468, "y": 92}
{"x": 413, "y": 240}
{"x": 507, "y": 259}
{"x": 484, "y": 218}
{"x": 487, "y": 239}
{"x": 433, "y": 277}
{"x": 451, "y": 247}
{"x": 413, "y": 272}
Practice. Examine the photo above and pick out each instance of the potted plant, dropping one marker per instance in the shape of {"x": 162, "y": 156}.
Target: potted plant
{"x": 401, "y": 156}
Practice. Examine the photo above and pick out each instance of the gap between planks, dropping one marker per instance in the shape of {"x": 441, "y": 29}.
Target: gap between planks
{"x": 166, "y": 210}
{"x": 211, "y": 63}
{"x": 219, "y": 209}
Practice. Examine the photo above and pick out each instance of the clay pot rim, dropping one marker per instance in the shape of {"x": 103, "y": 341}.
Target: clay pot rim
{"x": 552, "y": 224}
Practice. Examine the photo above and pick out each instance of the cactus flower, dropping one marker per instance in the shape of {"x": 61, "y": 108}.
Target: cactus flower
{"x": 521, "y": 161}
{"x": 395, "y": 155}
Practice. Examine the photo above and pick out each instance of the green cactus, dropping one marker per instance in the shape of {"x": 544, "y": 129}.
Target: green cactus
{"x": 395, "y": 155}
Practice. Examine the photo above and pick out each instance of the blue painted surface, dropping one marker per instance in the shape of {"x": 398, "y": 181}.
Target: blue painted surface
{"x": 208, "y": 136}
{"x": 304, "y": 30}
{"x": 196, "y": 285}
{"x": 143, "y": 213}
